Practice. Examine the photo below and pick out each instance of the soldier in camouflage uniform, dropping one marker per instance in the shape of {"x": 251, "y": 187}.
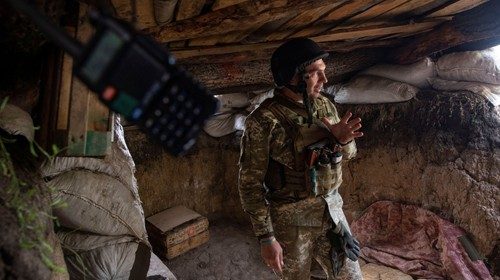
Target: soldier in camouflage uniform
{"x": 290, "y": 170}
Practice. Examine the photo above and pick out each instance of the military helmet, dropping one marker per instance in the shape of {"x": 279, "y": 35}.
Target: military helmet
{"x": 292, "y": 57}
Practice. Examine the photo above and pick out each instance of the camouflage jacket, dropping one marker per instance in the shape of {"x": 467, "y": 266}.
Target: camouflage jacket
{"x": 265, "y": 140}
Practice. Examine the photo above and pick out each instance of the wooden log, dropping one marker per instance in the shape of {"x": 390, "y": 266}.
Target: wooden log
{"x": 233, "y": 18}
{"x": 189, "y": 9}
{"x": 225, "y": 77}
{"x": 220, "y": 4}
{"x": 305, "y": 18}
{"x": 476, "y": 24}
{"x": 457, "y": 7}
{"x": 216, "y": 54}
{"x": 379, "y": 30}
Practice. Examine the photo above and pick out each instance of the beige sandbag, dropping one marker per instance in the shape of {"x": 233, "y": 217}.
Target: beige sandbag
{"x": 97, "y": 203}
{"x": 109, "y": 262}
{"x": 489, "y": 91}
{"x": 415, "y": 74}
{"x": 367, "y": 89}
{"x": 224, "y": 124}
{"x": 476, "y": 66}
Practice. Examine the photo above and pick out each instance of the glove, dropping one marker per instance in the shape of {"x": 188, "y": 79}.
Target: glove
{"x": 342, "y": 238}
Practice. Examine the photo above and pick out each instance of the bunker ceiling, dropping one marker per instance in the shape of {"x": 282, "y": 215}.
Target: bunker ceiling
{"x": 218, "y": 39}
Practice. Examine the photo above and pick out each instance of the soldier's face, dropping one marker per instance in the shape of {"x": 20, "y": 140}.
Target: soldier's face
{"x": 315, "y": 78}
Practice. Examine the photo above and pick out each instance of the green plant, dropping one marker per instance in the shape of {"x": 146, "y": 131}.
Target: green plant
{"x": 19, "y": 194}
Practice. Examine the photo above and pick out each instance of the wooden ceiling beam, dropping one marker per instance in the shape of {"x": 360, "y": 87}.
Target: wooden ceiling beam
{"x": 477, "y": 24}
{"x": 227, "y": 77}
{"x": 378, "y": 30}
{"x": 336, "y": 17}
{"x": 233, "y": 18}
{"x": 220, "y": 4}
{"x": 457, "y": 7}
{"x": 258, "y": 51}
{"x": 305, "y": 18}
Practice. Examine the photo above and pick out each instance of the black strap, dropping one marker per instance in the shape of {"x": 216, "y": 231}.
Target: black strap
{"x": 140, "y": 267}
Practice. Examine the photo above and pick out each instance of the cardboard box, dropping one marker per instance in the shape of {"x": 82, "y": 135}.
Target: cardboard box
{"x": 176, "y": 230}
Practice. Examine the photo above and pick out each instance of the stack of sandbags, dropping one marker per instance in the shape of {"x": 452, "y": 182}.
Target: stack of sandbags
{"x": 387, "y": 83}
{"x": 475, "y": 71}
{"x": 103, "y": 225}
{"x": 367, "y": 89}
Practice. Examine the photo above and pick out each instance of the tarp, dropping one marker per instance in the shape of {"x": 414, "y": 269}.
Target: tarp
{"x": 415, "y": 241}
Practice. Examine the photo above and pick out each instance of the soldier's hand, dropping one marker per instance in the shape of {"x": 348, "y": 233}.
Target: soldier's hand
{"x": 346, "y": 130}
{"x": 272, "y": 253}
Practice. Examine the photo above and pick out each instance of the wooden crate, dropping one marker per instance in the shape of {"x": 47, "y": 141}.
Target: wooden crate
{"x": 176, "y": 230}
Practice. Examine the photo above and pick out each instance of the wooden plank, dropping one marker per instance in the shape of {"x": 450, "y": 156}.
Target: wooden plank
{"x": 356, "y": 33}
{"x": 237, "y": 50}
{"x": 233, "y": 18}
{"x": 232, "y": 37}
{"x": 407, "y": 10}
{"x": 65, "y": 87}
{"x": 220, "y": 4}
{"x": 480, "y": 23}
{"x": 189, "y": 8}
{"x": 260, "y": 34}
{"x": 375, "y": 11}
{"x": 337, "y": 16}
{"x": 265, "y": 54}
{"x": 458, "y": 7}
{"x": 303, "y": 19}
{"x": 78, "y": 111}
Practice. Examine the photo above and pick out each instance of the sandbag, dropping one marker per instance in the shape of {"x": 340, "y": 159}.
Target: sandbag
{"x": 224, "y": 124}
{"x": 366, "y": 89}
{"x": 97, "y": 203}
{"x": 415, "y": 74}
{"x": 489, "y": 91}
{"x": 477, "y": 66}
{"x": 108, "y": 262}
{"x": 234, "y": 100}
{"x": 81, "y": 180}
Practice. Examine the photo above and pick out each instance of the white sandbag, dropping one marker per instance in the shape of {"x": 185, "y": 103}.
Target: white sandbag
{"x": 476, "y": 66}
{"x": 97, "y": 203}
{"x": 489, "y": 91}
{"x": 367, "y": 89}
{"x": 224, "y": 124}
{"x": 415, "y": 74}
{"x": 231, "y": 101}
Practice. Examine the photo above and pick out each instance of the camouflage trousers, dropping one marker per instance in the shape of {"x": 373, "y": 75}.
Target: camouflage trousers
{"x": 303, "y": 242}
